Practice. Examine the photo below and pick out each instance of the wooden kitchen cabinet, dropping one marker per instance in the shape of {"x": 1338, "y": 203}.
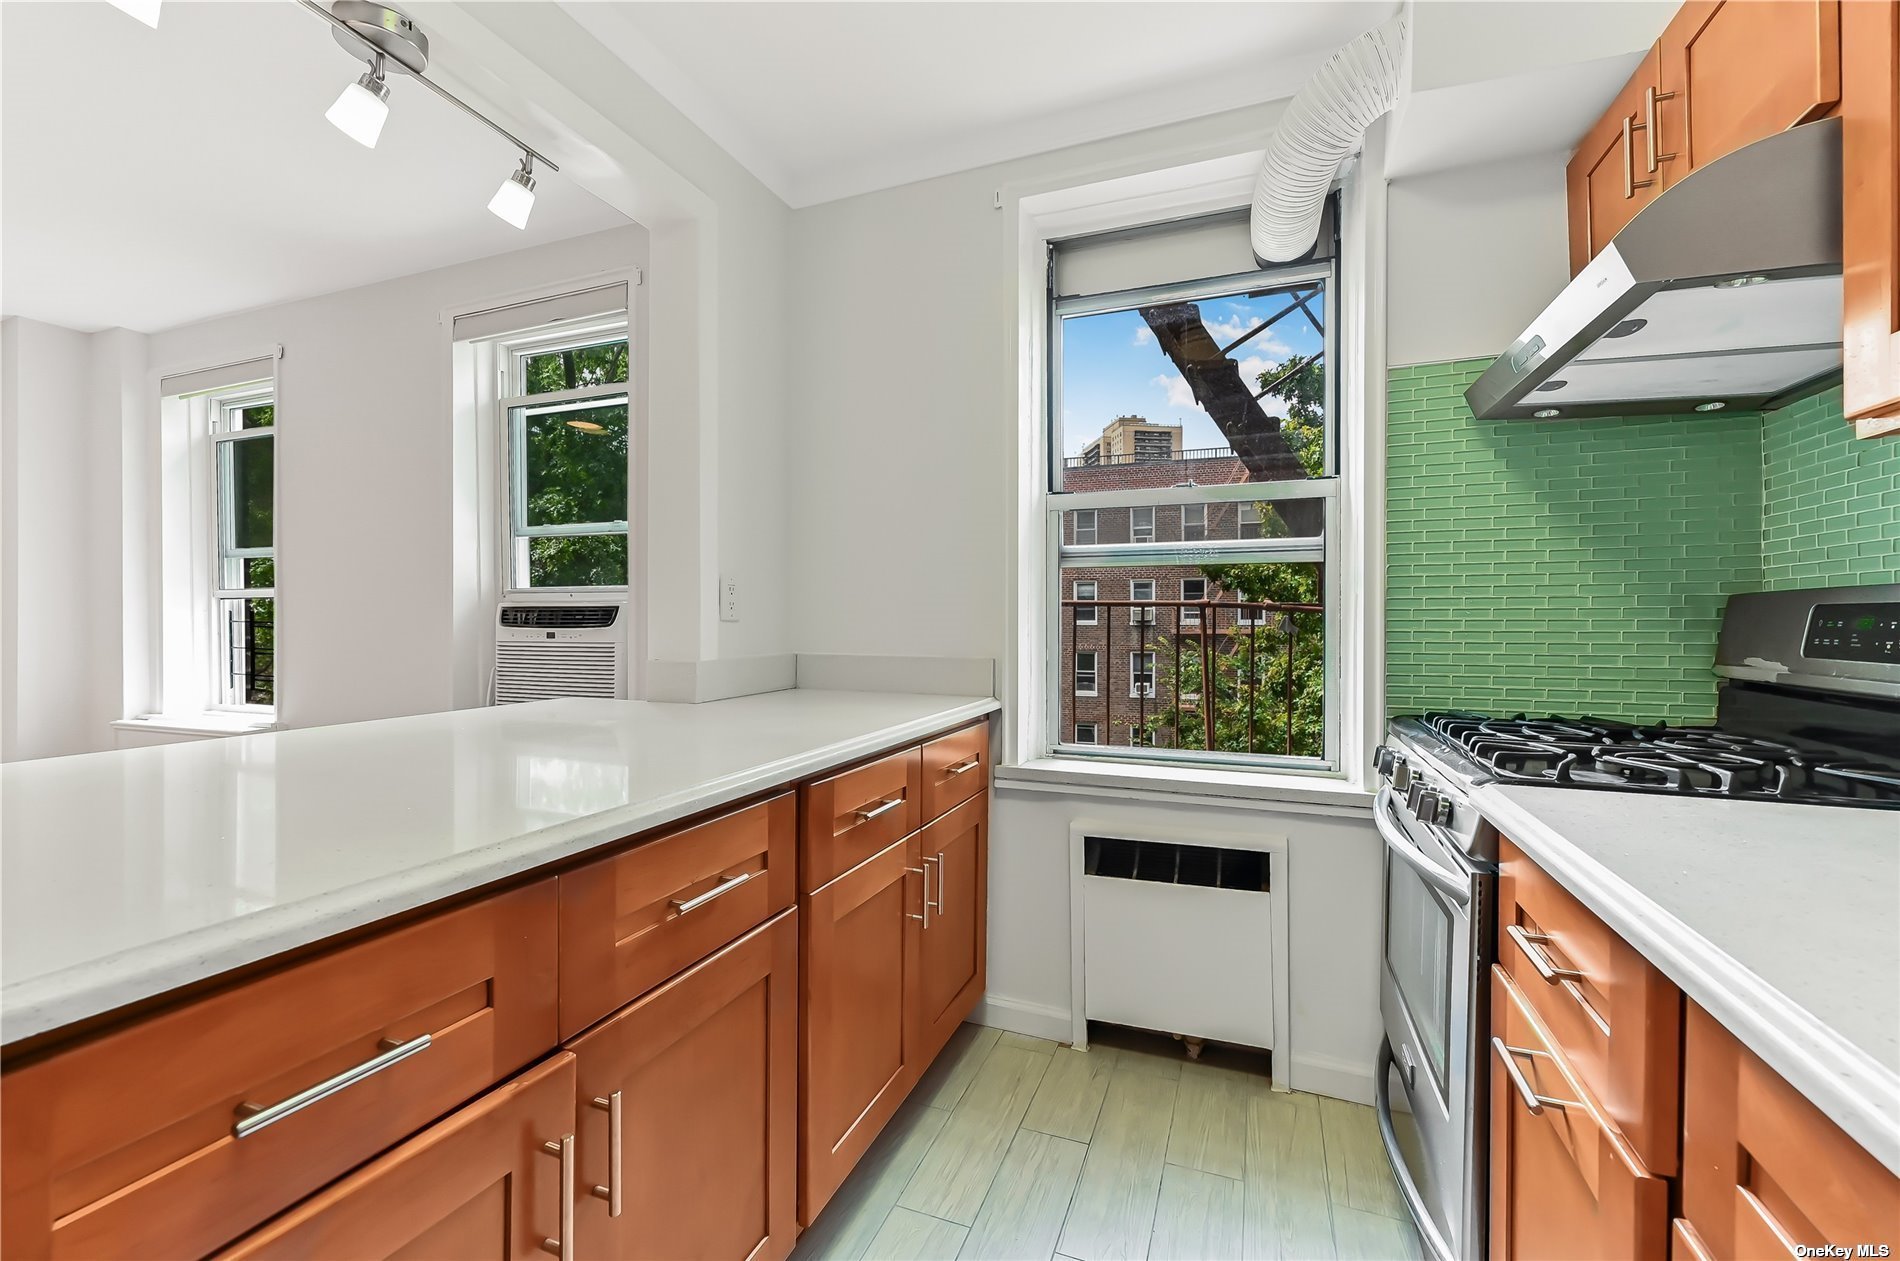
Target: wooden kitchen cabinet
{"x": 1870, "y": 242}
{"x": 1762, "y": 1170}
{"x": 1565, "y": 1183}
{"x": 1734, "y": 71}
{"x": 861, "y": 1025}
{"x": 481, "y": 1185}
{"x": 1609, "y": 177}
{"x": 954, "y": 855}
{"x": 689, "y": 1108}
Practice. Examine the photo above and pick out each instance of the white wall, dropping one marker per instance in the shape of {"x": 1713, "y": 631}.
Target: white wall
{"x": 47, "y": 627}
{"x": 1472, "y": 256}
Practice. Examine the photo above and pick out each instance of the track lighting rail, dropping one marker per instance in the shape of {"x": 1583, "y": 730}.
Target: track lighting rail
{"x": 371, "y": 52}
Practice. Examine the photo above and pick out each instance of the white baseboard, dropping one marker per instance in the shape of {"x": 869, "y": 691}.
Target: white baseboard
{"x": 1339, "y": 1079}
{"x": 1033, "y": 1020}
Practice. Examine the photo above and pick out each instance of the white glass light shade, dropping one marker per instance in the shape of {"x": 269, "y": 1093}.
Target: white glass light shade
{"x": 513, "y": 202}
{"x": 361, "y": 111}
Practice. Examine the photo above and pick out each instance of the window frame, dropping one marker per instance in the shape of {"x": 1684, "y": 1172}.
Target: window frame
{"x": 1200, "y": 534}
{"x": 1094, "y": 617}
{"x": 1143, "y": 617}
{"x": 1094, "y": 672}
{"x": 1192, "y": 617}
{"x": 1061, "y": 555}
{"x": 1095, "y": 733}
{"x": 512, "y": 409}
{"x": 1142, "y": 663}
{"x": 1094, "y": 527}
{"x": 221, "y": 695}
{"x": 1136, "y": 531}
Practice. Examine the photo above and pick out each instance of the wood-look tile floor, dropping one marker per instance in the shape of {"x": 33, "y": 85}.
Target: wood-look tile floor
{"x": 1016, "y": 1149}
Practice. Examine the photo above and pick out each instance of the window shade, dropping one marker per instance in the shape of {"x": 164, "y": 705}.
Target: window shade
{"x": 222, "y": 377}
{"x": 1166, "y": 253}
{"x": 522, "y": 317}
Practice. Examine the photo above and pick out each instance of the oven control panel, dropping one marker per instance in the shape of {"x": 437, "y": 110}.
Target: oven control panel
{"x": 1853, "y": 632}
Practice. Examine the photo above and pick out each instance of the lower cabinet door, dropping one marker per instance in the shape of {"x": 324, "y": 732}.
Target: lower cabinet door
{"x": 689, "y": 1110}
{"x": 860, "y": 1024}
{"x": 954, "y": 853}
{"x": 1565, "y": 1183}
{"x": 480, "y": 1185}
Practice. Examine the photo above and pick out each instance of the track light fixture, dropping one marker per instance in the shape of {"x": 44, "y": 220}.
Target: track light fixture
{"x": 364, "y": 107}
{"x": 389, "y": 40}
{"x": 513, "y": 202}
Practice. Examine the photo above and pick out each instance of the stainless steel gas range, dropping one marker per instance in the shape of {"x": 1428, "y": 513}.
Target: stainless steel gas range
{"x": 1808, "y": 711}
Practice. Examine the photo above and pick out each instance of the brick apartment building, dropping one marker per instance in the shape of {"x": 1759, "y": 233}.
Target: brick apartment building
{"x": 1117, "y": 662}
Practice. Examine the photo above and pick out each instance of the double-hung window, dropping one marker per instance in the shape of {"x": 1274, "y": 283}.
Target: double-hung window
{"x": 1085, "y": 674}
{"x": 1227, "y": 374}
{"x": 567, "y": 430}
{"x": 1087, "y": 733}
{"x": 1085, "y": 613}
{"x": 244, "y": 566}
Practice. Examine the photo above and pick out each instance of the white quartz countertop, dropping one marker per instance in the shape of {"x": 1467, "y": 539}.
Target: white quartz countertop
{"x": 125, "y": 875}
{"x": 1781, "y": 921}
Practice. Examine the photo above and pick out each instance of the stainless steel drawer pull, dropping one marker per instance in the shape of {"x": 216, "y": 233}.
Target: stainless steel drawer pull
{"x": 1533, "y": 945}
{"x": 1534, "y": 1103}
{"x": 940, "y": 884}
{"x": 885, "y": 807}
{"x": 611, "y": 1192}
{"x": 923, "y": 871}
{"x": 683, "y": 905}
{"x": 563, "y": 1247}
{"x": 253, "y": 1117}
{"x": 967, "y": 765}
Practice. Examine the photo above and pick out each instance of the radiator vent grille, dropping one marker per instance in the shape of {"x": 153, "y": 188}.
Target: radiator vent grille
{"x": 535, "y": 670}
{"x": 559, "y": 616}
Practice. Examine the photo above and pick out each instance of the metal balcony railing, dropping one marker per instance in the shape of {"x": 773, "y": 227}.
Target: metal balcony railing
{"x": 1147, "y": 457}
{"x": 1230, "y": 676}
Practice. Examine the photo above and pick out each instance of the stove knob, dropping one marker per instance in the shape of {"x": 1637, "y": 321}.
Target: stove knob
{"x": 1443, "y": 816}
{"x": 1382, "y": 758}
{"x": 1413, "y": 794}
{"x": 1401, "y": 773}
{"x": 1426, "y": 807}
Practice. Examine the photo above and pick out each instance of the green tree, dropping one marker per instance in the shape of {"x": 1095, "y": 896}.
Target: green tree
{"x": 576, "y": 468}
{"x": 1252, "y": 706}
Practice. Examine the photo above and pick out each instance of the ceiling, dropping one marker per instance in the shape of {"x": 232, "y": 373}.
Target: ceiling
{"x": 153, "y": 178}
{"x": 825, "y": 99}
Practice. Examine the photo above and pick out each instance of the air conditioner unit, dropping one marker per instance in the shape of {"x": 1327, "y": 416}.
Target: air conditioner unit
{"x": 544, "y": 651}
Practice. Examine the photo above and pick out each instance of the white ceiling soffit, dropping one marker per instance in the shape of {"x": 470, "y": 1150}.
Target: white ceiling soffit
{"x": 1487, "y": 81}
{"x": 828, "y": 99}
{"x": 151, "y": 178}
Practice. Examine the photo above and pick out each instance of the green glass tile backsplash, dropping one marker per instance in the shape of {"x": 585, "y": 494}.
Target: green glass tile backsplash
{"x": 1565, "y": 567}
{"x": 1831, "y": 503}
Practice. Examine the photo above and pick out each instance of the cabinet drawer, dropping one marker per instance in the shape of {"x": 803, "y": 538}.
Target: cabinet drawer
{"x": 1617, "y": 1018}
{"x": 631, "y": 921}
{"x": 1763, "y": 1171}
{"x": 144, "y": 1142}
{"x": 1564, "y": 1182}
{"x": 857, "y": 813}
{"x": 956, "y": 768}
{"x": 479, "y": 1184}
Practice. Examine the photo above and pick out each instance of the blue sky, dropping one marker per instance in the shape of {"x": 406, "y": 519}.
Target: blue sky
{"x": 1111, "y": 366}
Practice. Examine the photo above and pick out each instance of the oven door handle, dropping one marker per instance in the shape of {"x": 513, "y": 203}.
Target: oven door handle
{"x": 1395, "y": 1156}
{"x": 1453, "y": 887}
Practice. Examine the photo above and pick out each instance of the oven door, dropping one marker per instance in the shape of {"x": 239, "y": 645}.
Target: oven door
{"x": 1424, "y": 1082}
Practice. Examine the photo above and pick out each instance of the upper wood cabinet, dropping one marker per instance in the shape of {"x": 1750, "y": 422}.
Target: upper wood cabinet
{"x": 1724, "y": 73}
{"x": 1611, "y": 175}
{"x": 1762, "y": 1170}
{"x": 1870, "y": 285}
{"x": 1734, "y": 71}
{"x": 488, "y": 1183}
{"x": 689, "y": 1111}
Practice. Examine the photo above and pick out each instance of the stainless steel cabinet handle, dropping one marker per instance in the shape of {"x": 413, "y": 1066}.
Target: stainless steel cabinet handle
{"x": 968, "y": 765}
{"x": 683, "y": 905}
{"x": 1652, "y": 132}
{"x": 865, "y": 816}
{"x": 253, "y": 1117}
{"x": 563, "y": 1247}
{"x": 940, "y": 883}
{"x": 925, "y": 873}
{"x": 1534, "y": 1103}
{"x": 611, "y": 1192}
{"x": 929, "y": 904}
{"x": 1532, "y": 944}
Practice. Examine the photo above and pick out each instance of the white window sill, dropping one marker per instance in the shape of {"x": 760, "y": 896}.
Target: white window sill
{"x": 1086, "y": 777}
{"x": 207, "y": 724}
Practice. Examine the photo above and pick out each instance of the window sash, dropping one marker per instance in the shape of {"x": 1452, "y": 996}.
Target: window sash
{"x": 1094, "y": 735}
{"x": 1141, "y": 525}
{"x": 1081, "y": 515}
{"x": 1193, "y": 522}
{"x": 1091, "y": 672}
{"x": 1141, "y": 676}
{"x": 226, "y": 691}
{"x": 517, "y": 412}
{"x": 1090, "y": 616}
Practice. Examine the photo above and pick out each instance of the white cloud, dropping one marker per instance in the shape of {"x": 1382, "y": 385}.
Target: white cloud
{"x": 1144, "y": 335}
{"x": 1177, "y": 389}
{"x": 1228, "y": 330}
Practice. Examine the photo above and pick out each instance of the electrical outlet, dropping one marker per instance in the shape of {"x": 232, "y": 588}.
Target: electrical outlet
{"x": 728, "y": 599}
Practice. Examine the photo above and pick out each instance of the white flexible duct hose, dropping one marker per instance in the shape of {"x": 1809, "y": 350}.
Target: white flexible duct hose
{"x": 1324, "y": 123}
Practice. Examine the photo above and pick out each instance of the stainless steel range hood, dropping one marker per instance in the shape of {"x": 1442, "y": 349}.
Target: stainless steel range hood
{"x": 1723, "y": 293}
